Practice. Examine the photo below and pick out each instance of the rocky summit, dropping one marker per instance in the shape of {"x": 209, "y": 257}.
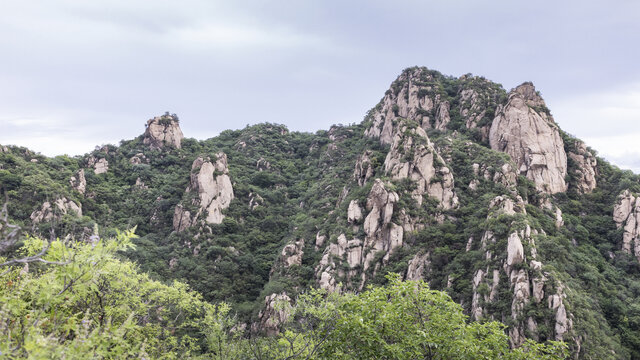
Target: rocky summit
{"x": 452, "y": 180}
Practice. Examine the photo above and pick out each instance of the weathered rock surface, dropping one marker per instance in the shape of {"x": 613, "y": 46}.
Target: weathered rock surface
{"x": 255, "y": 200}
{"x": 55, "y": 211}
{"x": 626, "y": 214}
{"x": 354, "y": 212}
{"x": 412, "y": 96}
{"x": 524, "y": 130}
{"x": 418, "y": 266}
{"x": 276, "y": 311}
{"x": 138, "y": 158}
{"x": 163, "y": 131}
{"x": 413, "y": 156}
{"x": 212, "y": 184}
{"x": 100, "y": 166}
{"x": 78, "y": 181}
{"x": 527, "y": 284}
{"x": 364, "y": 169}
{"x": 329, "y": 269}
{"x": 292, "y": 254}
{"x": 587, "y": 168}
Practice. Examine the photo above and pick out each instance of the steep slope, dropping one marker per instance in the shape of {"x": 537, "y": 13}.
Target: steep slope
{"x": 452, "y": 180}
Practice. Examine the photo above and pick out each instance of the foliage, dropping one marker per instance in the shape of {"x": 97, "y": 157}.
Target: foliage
{"x": 101, "y": 307}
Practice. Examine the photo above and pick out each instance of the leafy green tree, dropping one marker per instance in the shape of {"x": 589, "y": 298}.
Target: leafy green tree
{"x": 403, "y": 320}
{"x": 95, "y": 305}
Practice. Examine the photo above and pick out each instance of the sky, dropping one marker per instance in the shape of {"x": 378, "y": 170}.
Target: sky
{"x": 77, "y": 74}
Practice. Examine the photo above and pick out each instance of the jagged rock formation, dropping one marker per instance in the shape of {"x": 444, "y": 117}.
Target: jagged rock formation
{"x": 78, "y": 181}
{"x": 524, "y": 130}
{"x": 163, "y": 130}
{"x": 354, "y": 213}
{"x": 100, "y": 166}
{"x": 255, "y": 200}
{"x": 477, "y": 98}
{"x": 412, "y": 96}
{"x": 505, "y": 175}
{"x": 527, "y": 285}
{"x": 329, "y": 269}
{"x": 586, "y": 168}
{"x": 139, "y": 158}
{"x": 292, "y": 254}
{"x": 418, "y": 266}
{"x": 55, "y": 211}
{"x": 626, "y": 214}
{"x": 424, "y": 166}
{"x": 276, "y": 311}
{"x": 382, "y": 236}
{"x": 364, "y": 168}
{"x": 211, "y": 183}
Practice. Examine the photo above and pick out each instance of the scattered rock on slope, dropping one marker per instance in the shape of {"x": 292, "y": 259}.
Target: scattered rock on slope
{"x": 55, "y": 211}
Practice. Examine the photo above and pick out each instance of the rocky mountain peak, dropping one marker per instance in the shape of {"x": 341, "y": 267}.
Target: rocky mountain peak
{"x": 527, "y": 91}
{"x": 525, "y": 130}
{"x": 163, "y": 131}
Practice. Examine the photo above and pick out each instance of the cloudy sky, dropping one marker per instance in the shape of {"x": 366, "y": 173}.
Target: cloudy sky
{"x": 76, "y": 74}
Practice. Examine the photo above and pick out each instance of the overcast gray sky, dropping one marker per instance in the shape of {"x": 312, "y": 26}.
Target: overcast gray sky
{"x": 76, "y": 74}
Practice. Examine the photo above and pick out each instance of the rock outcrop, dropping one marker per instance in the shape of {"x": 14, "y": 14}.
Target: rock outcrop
{"x": 78, "y": 181}
{"x": 412, "y": 96}
{"x": 418, "y": 266}
{"x": 163, "y": 131}
{"x": 526, "y": 283}
{"x": 211, "y": 185}
{"x": 55, "y": 211}
{"x": 364, "y": 168}
{"x": 382, "y": 236}
{"x": 523, "y": 129}
{"x": 292, "y": 254}
{"x": 329, "y": 270}
{"x": 413, "y": 156}
{"x": 587, "y": 168}
{"x": 276, "y": 311}
{"x": 354, "y": 212}
{"x": 626, "y": 214}
{"x": 100, "y": 166}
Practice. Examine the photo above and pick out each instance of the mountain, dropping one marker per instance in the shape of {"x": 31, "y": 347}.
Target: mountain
{"x": 453, "y": 180}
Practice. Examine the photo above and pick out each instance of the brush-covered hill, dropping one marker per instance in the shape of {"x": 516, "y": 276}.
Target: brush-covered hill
{"x": 451, "y": 180}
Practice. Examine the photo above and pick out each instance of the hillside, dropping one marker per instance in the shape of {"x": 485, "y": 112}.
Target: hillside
{"x": 456, "y": 181}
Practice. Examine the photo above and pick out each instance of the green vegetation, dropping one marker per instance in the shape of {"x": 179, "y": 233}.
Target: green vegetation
{"x": 301, "y": 185}
{"x": 92, "y": 304}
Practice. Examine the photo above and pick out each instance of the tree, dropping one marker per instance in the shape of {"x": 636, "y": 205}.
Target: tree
{"x": 403, "y": 320}
{"x": 95, "y": 305}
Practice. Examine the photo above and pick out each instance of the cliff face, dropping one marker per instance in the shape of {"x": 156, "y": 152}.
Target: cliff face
{"x": 523, "y": 129}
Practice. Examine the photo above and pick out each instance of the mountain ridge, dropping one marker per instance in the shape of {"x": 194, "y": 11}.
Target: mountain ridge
{"x": 453, "y": 180}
